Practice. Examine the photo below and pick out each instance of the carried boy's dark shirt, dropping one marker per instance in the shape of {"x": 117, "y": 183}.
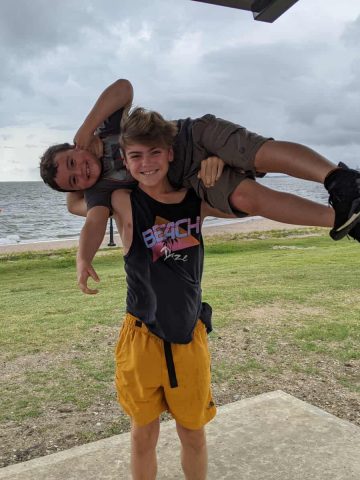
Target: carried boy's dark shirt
{"x": 164, "y": 266}
{"x": 113, "y": 174}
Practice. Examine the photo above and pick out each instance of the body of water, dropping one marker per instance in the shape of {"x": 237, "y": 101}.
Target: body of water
{"x": 32, "y": 212}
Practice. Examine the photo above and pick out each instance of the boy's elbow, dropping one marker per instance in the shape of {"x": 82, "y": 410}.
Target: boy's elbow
{"x": 76, "y": 209}
{"x": 75, "y": 203}
{"x": 125, "y": 88}
{"x": 70, "y": 207}
{"x": 124, "y": 83}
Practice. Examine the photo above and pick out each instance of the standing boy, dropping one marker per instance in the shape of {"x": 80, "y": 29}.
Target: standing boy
{"x": 162, "y": 358}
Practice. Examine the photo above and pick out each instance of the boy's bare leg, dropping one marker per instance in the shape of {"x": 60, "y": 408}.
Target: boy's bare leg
{"x": 143, "y": 450}
{"x": 341, "y": 182}
{"x": 194, "y": 457}
{"x": 255, "y": 199}
{"x": 293, "y": 159}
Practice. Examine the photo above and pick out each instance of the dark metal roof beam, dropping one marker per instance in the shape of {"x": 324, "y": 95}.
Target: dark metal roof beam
{"x": 273, "y": 10}
{"x": 263, "y": 10}
{"x": 242, "y": 4}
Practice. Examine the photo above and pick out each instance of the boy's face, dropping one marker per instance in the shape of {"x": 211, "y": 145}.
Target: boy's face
{"x": 76, "y": 169}
{"x": 149, "y": 165}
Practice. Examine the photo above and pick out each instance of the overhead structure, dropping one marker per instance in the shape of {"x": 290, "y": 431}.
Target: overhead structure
{"x": 263, "y": 10}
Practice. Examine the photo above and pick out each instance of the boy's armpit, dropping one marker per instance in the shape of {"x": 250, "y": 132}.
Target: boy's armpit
{"x": 100, "y": 193}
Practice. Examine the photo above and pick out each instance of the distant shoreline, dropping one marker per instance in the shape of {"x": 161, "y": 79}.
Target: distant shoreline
{"x": 255, "y": 225}
{"x": 268, "y": 175}
{"x": 35, "y": 218}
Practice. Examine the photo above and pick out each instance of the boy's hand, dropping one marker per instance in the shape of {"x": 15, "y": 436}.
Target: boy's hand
{"x": 211, "y": 170}
{"x": 84, "y": 271}
{"x": 91, "y": 143}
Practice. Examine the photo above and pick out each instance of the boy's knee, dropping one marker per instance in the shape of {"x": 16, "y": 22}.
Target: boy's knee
{"x": 145, "y": 438}
{"x": 194, "y": 439}
{"x": 244, "y": 198}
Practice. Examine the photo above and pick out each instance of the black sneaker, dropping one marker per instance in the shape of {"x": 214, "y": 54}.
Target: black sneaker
{"x": 343, "y": 185}
{"x": 355, "y": 232}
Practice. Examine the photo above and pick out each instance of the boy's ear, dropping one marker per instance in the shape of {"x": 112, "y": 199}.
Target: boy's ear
{"x": 124, "y": 160}
{"x": 171, "y": 154}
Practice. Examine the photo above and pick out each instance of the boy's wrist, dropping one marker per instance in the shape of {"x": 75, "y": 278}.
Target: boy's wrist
{"x": 89, "y": 125}
{"x": 80, "y": 260}
{"x": 83, "y": 136}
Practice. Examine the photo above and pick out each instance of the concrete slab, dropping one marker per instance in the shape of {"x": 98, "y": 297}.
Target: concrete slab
{"x": 271, "y": 436}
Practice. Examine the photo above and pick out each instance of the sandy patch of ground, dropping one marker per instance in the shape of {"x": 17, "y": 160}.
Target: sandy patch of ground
{"x": 242, "y": 367}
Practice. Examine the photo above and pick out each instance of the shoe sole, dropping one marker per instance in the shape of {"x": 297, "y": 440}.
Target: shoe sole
{"x": 342, "y": 231}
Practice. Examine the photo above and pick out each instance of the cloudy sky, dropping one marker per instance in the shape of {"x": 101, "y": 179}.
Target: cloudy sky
{"x": 296, "y": 79}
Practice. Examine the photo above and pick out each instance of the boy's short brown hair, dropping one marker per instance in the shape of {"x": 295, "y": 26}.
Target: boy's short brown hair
{"x": 147, "y": 128}
{"x": 48, "y": 166}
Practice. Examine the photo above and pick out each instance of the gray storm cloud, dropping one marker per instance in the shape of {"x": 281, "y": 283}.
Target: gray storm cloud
{"x": 184, "y": 59}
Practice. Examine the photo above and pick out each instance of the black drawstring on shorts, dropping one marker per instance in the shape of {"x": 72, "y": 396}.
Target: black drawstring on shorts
{"x": 170, "y": 364}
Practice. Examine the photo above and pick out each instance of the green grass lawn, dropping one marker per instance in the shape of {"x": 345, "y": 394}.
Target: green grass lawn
{"x": 57, "y": 344}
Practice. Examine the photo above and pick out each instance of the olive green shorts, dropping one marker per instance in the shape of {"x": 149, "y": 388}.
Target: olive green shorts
{"x": 234, "y": 144}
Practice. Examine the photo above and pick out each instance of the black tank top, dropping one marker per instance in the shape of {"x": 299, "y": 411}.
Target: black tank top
{"x": 164, "y": 266}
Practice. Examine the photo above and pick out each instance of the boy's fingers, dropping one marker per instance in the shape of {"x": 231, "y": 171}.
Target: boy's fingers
{"x": 94, "y": 275}
{"x": 83, "y": 278}
{"x": 85, "y": 289}
{"x": 89, "y": 291}
{"x": 205, "y": 173}
{"x": 209, "y": 165}
{"x": 211, "y": 171}
{"x": 220, "y": 169}
{"x": 216, "y": 165}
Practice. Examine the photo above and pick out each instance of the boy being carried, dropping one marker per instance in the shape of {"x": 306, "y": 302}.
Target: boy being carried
{"x": 100, "y": 171}
{"x": 162, "y": 358}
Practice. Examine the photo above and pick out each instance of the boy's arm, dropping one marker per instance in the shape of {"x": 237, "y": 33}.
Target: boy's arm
{"x": 122, "y": 214}
{"x": 91, "y": 237}
{"x": 76, "y": 204}
{"x": 116, "y": 96}
{"x": 93, "y": 233}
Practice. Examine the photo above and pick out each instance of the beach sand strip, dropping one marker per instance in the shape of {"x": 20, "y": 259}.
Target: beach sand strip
{"x": 255, "y": 225}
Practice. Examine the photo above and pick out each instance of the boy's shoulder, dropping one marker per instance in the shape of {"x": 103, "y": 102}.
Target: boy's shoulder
{"x": 121, "y": 203}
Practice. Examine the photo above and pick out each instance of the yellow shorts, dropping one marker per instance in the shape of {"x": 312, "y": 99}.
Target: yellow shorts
{"x": 143, "y": 380}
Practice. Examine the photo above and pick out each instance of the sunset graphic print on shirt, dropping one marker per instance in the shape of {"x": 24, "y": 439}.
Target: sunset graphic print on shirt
{"x": 166, "y": 237}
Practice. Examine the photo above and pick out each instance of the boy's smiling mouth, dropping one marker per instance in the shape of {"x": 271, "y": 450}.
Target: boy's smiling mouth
{"x": 149, "y": 172}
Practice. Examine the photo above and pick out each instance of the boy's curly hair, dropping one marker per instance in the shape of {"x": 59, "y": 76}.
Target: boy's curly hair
{"x": 147, "y": 128}
{"x": 48, "y": 166}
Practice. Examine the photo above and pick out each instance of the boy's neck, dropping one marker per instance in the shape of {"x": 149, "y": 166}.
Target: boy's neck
{"x": 163, "y": 192}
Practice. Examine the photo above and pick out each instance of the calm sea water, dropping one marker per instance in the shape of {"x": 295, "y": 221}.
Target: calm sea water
{"x": 33, "y": 212}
